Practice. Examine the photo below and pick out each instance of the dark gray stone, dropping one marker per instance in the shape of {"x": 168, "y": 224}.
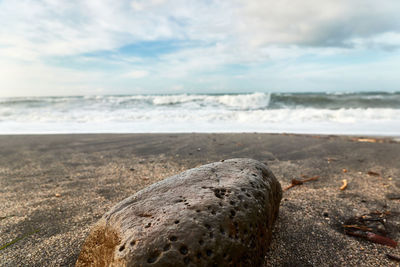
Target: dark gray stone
{"x": 218, "y": 214}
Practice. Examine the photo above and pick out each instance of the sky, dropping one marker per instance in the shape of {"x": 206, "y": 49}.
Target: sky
{"x": 92, "y": 47}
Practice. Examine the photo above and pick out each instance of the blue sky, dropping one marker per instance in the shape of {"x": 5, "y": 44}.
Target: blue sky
{"x": 82, "y": 47}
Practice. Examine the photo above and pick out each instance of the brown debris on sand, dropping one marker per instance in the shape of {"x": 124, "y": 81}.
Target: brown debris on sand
{"x": 296, "y": 182}
{"x": 393, "y": 257}
{"x": 344, "y": 186}
{"x": 371, "y": 227}
{"x": 367, "y": 140}
{"x": 372, "y": 173}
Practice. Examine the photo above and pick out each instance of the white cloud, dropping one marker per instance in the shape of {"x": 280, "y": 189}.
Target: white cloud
{"x": 33, "y": 29}
{"x": 221, "y": 33}
{"x": 140, "y": 5}
{"x": 136, "y": 74}
{"x": 41, "y": 80}
{"x": 315, "y": 22}
{"x": 177, "y": 87}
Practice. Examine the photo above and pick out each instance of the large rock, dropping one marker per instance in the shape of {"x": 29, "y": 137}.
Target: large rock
{"x": 218, "y": 214}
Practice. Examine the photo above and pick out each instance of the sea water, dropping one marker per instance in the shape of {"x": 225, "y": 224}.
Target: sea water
{"x": 319, "y": 113}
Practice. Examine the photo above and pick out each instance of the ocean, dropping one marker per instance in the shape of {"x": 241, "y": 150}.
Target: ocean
{"x": 313, "y": 113}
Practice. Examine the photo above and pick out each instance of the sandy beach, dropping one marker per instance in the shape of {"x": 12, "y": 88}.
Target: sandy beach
{"x": 53, "y": 188}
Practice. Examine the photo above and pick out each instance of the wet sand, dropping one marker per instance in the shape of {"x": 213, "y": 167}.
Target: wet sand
{"x": 60, "y": 185}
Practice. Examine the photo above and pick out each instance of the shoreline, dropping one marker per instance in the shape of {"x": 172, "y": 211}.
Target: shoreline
{"x": 395, "y": 137}
{"x": 62, "y": 184}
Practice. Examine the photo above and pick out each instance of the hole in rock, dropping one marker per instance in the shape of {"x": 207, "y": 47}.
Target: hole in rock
{"x": 209, "y": 252}
{"x": 176, "y": 222}
{"x": 121, "y": 248}
{"x": 217, "y": 193}
{"x": 173, "y": 238}
{"x": 133, "y": 242}
{"x": 183, "y": 250}
{"x": 222, "y": 230}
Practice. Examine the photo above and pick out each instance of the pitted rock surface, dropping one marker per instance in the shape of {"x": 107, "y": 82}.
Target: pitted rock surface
{"x": 219, "y": 214}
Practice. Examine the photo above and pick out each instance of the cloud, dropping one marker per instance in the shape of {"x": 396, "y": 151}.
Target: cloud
{"x": 36, "y": 28}
{"x": 42, "y": 80}
{"x": 177, "y": 87}
{"x": 136, "y": 74}
{"x": 143, "y": 5}
{"x": 227, "y": 38}
{"x": 316, "y": 23}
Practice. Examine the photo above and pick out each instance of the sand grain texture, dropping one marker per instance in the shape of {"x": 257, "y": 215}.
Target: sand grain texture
{"x": 92, "y": 173}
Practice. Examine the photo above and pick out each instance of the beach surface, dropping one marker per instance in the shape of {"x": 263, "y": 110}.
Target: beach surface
{"x": 53, "y": 188}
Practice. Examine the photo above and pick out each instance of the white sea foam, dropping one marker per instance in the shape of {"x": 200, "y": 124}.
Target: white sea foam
{"x": 194, "y": 113}
{"x": 245, "y": 101}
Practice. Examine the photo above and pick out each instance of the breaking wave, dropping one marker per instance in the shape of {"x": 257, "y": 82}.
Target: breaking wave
{"x": 353, "y": 113}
